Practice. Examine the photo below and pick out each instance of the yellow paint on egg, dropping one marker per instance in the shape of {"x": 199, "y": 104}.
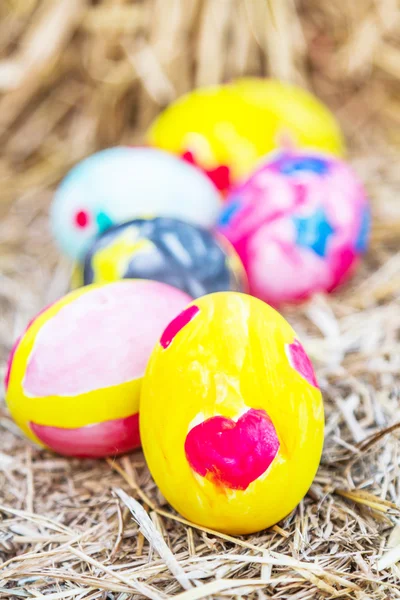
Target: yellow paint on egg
{"x": 231, "y": 398}
{"x": 292, "y": 112}
{"x": 69, "y": 411}
{"x": 77, "y": 276}
{"x": 74, "y": 376}
{"x": 235, "y": 125}
{"x": 111, "y": 262}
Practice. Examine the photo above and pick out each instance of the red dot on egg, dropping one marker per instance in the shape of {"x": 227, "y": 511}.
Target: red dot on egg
{"x": 189, "y": 157}
{"x": 81, "y": 218}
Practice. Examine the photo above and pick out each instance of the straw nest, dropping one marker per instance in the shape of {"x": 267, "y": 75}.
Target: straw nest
{"x": 76, "y": 76}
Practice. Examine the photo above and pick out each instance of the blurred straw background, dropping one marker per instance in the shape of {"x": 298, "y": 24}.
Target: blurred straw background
{"x": 79, "y": 75}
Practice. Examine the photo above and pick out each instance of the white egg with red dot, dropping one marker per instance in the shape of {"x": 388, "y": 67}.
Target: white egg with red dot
{"x": 124, "y": 183}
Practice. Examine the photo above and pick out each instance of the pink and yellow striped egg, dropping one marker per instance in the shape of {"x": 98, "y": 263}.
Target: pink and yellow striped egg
{"x": 74, "y": 376}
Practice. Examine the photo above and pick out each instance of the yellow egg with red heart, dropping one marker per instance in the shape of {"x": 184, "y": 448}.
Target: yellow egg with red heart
{"x": 74, "y": 376}
{"x": 231, "y": 398}
{"x": 226, "y": 129}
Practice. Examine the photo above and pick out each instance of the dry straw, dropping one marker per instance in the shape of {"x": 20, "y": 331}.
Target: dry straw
{"x": 76, "y": 76}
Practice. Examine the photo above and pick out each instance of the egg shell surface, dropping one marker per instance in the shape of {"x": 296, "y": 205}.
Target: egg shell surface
{"x": 300, "y": 224}
{"x": 186, "y": 256}
{"x": 74, "y": 376}
{"x": 227, "y": 129}
{"x": 231, "y": 398}
{"x": 123, "y": 183}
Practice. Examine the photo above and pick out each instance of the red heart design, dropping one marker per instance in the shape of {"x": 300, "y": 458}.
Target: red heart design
{"x": 233, "y": 454}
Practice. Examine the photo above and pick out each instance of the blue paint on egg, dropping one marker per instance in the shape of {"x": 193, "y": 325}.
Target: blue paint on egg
{"x": 314, "y": 232}
{"x": 362, "y": 241}
{"x": 103, "y": 221}
{"x": 290, "y": 166}
{"x": 229, "y": 211}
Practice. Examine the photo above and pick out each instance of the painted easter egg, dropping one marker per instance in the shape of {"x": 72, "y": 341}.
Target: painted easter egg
{"x": 186, "y": 256}
{"x": 296, "y": 117}
{"x": 299, "y": 224}
{"x": 231, "y": 397}
{"x": 227, "y": 129}
{"x": 123, "y": 183}
{"x": 76, "y": 280}
{"x": 74, "y": 376}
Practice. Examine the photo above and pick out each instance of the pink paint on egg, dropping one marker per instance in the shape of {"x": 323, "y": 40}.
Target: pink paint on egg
{"x": 82, "y": 219}
{"x": 301, "y": 363}
{"x": 16, "y": 344}
{"x": 92, "y": 441}
{"x": 177, "y": 324}
{"x": 300, "y": 224}
{"x": 104, "y": 338}
{"x": 220, "y": 176}
{"x": 233, "y": 454}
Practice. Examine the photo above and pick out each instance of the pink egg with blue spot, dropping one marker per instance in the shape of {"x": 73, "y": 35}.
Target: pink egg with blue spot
{"x": 300, "y": 224}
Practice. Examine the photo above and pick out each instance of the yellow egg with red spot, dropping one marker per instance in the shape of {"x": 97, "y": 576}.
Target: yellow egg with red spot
{"x": 293, "y": 115}
{"x": 74, "y": 376}
{"x": 226, "y": 129}
{"x": 231, "y": 398}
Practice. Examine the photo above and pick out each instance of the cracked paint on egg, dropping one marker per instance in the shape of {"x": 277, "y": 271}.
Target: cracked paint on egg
{"x": 234, "y": 405}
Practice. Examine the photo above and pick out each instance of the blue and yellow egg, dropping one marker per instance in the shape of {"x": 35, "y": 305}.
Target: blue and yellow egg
{"x": 186, "y": 256}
